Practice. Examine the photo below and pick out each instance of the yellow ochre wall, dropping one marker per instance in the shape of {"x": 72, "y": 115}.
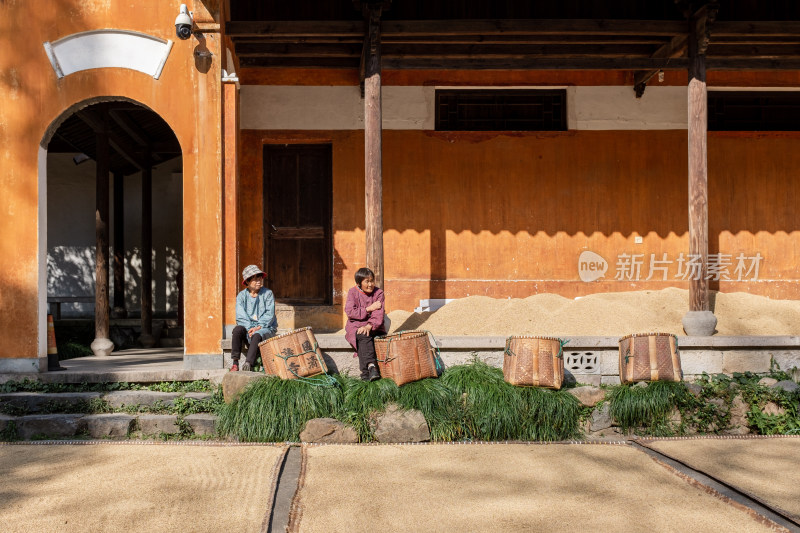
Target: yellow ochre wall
{"x": 507, "y": 215}
{"x": 32, "y": 98}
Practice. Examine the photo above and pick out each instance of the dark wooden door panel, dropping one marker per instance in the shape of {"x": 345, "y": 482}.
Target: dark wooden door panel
{"x": 297, "y": 220}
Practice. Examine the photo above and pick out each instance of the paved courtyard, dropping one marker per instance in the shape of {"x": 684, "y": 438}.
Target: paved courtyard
{"x": 438, "y": 487}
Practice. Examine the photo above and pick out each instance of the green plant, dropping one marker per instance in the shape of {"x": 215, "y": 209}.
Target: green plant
{"x": 438, "y": 403}
{"x": 492, "y": 409}
{"x": 635, "y": 406}
{"x": 549, "y": 415}
{"x": 273, "y": 410}
{"x": 362, "y": 398}
{"x": 9, "y": 433}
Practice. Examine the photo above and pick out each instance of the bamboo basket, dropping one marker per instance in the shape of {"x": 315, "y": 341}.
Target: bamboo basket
{"x": 406, "y": 356}
{"x": 534, "y": 361}
{"x": 649, "y": 357}
{"x": 292, "y": 355}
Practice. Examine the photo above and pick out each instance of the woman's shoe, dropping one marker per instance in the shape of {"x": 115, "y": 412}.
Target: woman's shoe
{"x": 245, "y": 367}
{"x": 373, "y": 373}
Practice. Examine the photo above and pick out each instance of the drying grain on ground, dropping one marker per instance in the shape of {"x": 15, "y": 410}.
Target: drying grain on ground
{"x": 612, "y": 314}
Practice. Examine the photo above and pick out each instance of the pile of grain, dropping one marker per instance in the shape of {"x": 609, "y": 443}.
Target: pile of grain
{"x": 612, "y": 314}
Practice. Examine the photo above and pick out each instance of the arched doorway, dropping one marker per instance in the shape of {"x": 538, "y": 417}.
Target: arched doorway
{"x": 114, "y": 225}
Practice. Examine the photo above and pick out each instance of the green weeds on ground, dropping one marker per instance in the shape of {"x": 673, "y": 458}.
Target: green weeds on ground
{"x": 469, "y": 402}
{"x": 28, "y": 385}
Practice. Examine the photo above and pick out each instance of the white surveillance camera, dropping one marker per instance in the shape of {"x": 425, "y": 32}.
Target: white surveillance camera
{"x": 183, "y": 23}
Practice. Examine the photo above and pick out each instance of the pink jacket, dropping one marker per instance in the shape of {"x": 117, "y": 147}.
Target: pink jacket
{"x": 357, "y": 315}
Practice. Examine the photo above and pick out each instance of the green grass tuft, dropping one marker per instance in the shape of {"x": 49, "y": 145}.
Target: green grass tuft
{"x": 438, "y": 403}
{"x": 276, "y": 410}
{"x": 650, "y": 406}
{"x": 361, "y": 398}
{"x": 495, "y": 410}
{"x": 549, "y": 415}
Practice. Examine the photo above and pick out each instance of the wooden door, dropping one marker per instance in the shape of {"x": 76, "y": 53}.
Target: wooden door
{"x": 297, "y": 222}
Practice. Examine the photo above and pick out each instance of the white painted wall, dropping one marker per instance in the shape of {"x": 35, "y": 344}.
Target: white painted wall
{"x": 279, "y": 107}
{"x": 71, "y": 237}
{"x": 617, "y": 108}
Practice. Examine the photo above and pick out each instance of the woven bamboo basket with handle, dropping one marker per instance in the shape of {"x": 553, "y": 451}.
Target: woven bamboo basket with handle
{"x": 534, "y": 361}
{"x": 406, "y": 356}
{"x": 649, "y": 357}
{"x": 293, "y": 355}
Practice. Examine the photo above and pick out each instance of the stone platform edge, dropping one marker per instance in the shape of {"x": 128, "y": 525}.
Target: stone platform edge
{"x": 331, "y": 341}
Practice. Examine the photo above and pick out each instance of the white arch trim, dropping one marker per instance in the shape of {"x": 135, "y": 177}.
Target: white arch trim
{"x": 108, "y": 48}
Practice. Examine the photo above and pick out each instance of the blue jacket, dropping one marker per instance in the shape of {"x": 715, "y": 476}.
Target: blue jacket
{"x": 262, "y": 307}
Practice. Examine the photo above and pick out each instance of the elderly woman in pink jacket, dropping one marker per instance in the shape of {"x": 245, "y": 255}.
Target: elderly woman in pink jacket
{"x": 365, "y": 311}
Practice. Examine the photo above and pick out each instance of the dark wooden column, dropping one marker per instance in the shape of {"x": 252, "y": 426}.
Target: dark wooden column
{"x": 372, "y": 145}
{"x": 119, "y": 310}
{"x": 147, "y": 339}
{"x": 101, "y": 345}
{"x": 698, "y": 172}
{"x": 699, "y": 320}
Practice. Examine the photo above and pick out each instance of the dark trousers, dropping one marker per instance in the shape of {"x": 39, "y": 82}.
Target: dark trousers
{"x": 239, "y": 338}
{"x": 365, "y": 347}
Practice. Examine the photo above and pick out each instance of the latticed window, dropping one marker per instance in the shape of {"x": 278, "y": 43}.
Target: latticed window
{"x": 754, "y": 111}
{"x": 501, "y": 110}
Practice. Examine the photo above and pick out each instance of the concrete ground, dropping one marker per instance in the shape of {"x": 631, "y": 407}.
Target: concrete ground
{"x": 134, "y": 365}
{"x": 439, "y": 487}
{"x": 135, "y": 487}
{"x": 767, "y": 469}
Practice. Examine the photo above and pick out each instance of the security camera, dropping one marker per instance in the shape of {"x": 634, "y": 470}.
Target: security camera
{"x": 183, "y": 23}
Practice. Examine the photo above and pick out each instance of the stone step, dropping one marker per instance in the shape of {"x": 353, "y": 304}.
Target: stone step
{"x": 170, "y": 342}
{"x": 172, "y": 333}
{"x": 109, "y": 425}
{"x": 37, "y": 402}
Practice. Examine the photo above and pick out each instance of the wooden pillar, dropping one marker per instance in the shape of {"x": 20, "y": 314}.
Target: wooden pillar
{"x": 102, "y": 345}
{"x": 698, "y": 172}
{"x": 147, "y": 339}
{"x": 119, "y": 310}
{"x": 699, "y": 320}
{"x": 372, "y": 148}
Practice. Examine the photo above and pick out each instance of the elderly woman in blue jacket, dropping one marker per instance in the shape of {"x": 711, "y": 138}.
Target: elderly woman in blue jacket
{"x": 255, "y": 317}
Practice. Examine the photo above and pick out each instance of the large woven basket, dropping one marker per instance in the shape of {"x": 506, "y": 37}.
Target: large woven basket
{"x": 292, "y": 355}
{"x": 406, "y": 356}
{"x": 649, "y": 357}
{"x": 534, "y": 362}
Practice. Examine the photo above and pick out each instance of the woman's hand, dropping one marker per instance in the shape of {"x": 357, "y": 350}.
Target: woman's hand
{"x": 364, "y": 330}
{"x": 253, "y": 330}
{"x": 374, "y": 306}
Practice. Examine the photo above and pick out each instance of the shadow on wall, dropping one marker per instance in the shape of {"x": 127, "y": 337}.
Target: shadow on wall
{"x": 71, "y": 270}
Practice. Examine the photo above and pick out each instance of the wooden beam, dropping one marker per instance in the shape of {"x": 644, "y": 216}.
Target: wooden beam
{"x": 737, "y": 29}
{"x": 435, "y": 63}
{"x": 653, "y": 40}
{"x": 373, "y": 185}
{"x": 698, "y": 171}
{"x": 119, "y": 310}
{"x": 120, "y": 144}
{"x": 448, "y": 50}
{"x": 134, "y": 131}
{"x": 752, "y": 51}
{"x": 101, "y": 343}
{"x": 675, "y": 48}
{"x": 539, "y": 63}
{"x": 405, "y": 28}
